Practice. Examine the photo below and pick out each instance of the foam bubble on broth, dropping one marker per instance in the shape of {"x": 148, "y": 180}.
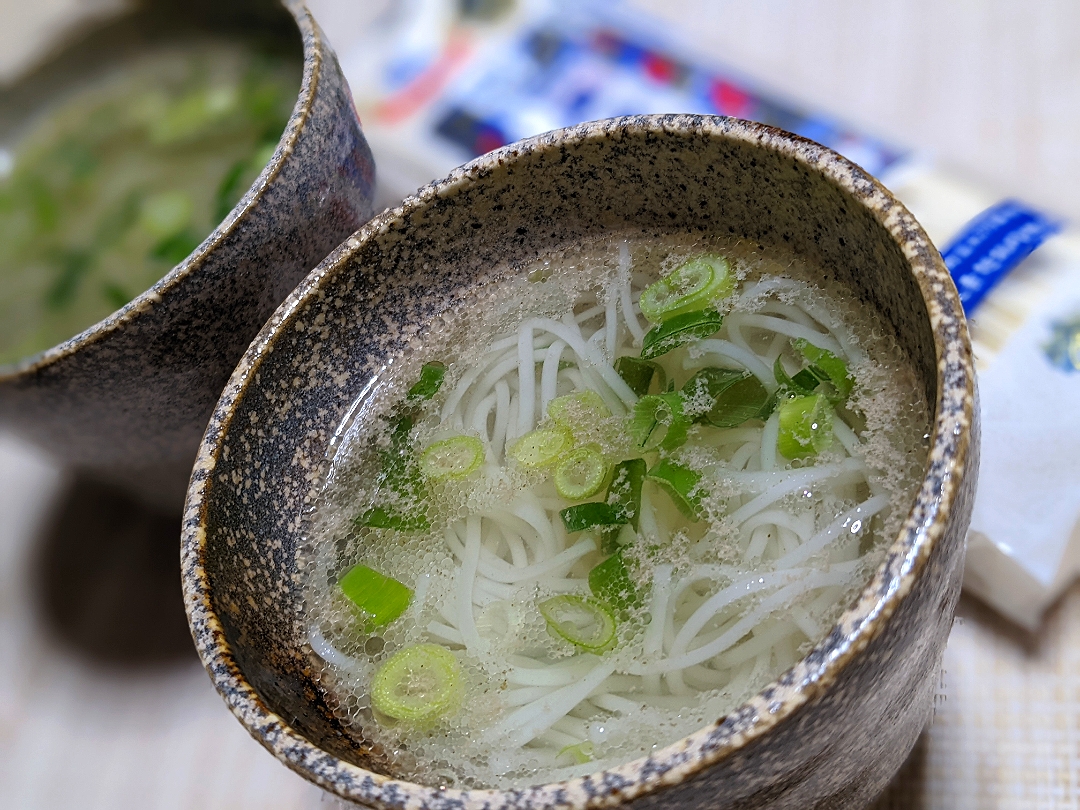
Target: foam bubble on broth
{"x": 643, "y": 701}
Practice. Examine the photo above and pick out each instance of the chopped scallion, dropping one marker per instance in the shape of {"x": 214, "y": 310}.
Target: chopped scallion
{"x": 581, "y": 752}
{"x": 680, "y": 330}
{"x": 700, "y": 391}
{"x": 680, "y": 483}
{"x": 585, "y": 623}
{"x": 743, "y": 399}
{"x": 588, "y": 516}
{"x": 835, "y": 368}
{"x": 542, "y": 446}
{"x": 572, "y": 409}
{"x": 581, "y": 473}
{"x": 639, "y": 374}
{"x": 805, "y": 426}
{"x": 693, "y": 285}
{"x": 431, "y": 379}
{"x": 418, "y": 685}
{"x": 380, "y": 598}
{"x": 658, "y": 421}
{"x": 624, "y": 493}
{"x": 610, "y": 582}
{"x": 455, "y": 457}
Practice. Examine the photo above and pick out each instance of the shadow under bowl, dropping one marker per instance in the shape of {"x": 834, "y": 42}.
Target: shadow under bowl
{"x": 127, "y": 400}
{"x": 829, "y": 732}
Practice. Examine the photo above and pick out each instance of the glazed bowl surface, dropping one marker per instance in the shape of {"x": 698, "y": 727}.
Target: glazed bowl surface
{"x": 127, "y": 399}
{"x": 831, "y": 731}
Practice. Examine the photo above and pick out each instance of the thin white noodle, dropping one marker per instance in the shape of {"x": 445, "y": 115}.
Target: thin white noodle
{"x": 759, "y": 539}
{"x": 483, "y": 413}
{"x": 331, "y": 654}
{"x": 445, "y": 632}
{"x": 724, "y": 597}
{"x": 792, "y": 313}
{"x": 761, "y": 641}
{"x": 747, "y": 622}
{"x": 625, "y": 294}
{"x": 501, "y": 571}
{"x": 526, "y": 723}
{"x": 466, "y": 577}
{"x": 860, "y": 514}
{"x": 809, "y": 477}
{"x": 808, "y": 627}
{"x": 778, "y": 517}
{"x": 846, "y": 436}
{"x": 743, "y": 454}
{"x": 537, "y": 674}
{"x": 525, "y": 694}
{"x": 549, "y": 375}
{"x": 611, "y": 323}
{"x": 769, "y": 437}
{"x": 785, "y": 327}
{"x": 502, "y": 418}
{"x": 577, "y": 345}
{"x": 653, "y": 642}
{"x": 526, "y": 379}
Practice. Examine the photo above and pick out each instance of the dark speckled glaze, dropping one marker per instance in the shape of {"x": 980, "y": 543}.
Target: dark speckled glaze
{"x": 128, "y": 399}
{"x": 831, "y": 731}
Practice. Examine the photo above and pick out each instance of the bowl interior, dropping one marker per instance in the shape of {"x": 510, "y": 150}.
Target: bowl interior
{"x": 267, "y": 447}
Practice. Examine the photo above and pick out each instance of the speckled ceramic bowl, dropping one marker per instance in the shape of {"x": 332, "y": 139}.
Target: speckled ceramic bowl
{"x": 832, "y": 730}
{"x": 128, "y": 398}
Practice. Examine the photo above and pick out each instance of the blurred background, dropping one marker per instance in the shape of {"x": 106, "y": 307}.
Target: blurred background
{"x": 954, "y": 104}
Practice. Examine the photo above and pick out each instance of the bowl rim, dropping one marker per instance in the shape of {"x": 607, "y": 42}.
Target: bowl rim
{"x": 949, "y": 461}
{"x": 144, "y": 303}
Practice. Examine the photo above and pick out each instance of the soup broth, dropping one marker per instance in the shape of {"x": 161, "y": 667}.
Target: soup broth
{"x": 111, "y": 187}
{"x": 604, "y": 505}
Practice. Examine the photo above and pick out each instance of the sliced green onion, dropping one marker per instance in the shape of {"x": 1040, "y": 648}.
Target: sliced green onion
{"x": 381, "y": 598}
{"x": 679, "y": 330}
{"x": 639, "y": 374}
{"x": 585, "y": 623}
{"x": 455, "y": 457}
{"x": 743, "y": 399}
{"x": 581, "y": 473}
{"x": 572, "y": 409}
{"x": 805, "y": 426}
{"x": 658, "y": 421}
{"x": 610, "y": 582}
{"x": 680, "y": 483}
{"x": 542, "y": 446}
{"x": 624, "y": 492}
{"x": 418, "y": 685}
{"x": 588, "y": 516}
{"x": 431, "y": 379}
{"x": 835, "y": 368}
{"x": 799, "y": 385}
{"x": 700, "y": 391}
{"x": 400, "y": 486}
{"x": 581, "y": 752}
{"x": 809, "y": 379}
{"x": 692, "y": 286}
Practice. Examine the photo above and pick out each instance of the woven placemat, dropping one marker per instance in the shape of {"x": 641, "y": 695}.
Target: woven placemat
{"x": 1006, "y": 726}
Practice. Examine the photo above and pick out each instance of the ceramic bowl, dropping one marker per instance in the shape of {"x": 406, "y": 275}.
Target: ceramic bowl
{"x": 832, "y": 730}
{"x": 128, "y": 399}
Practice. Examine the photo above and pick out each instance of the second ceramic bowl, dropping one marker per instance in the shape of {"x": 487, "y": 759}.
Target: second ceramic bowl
{"x": 832, "y": 730}
{"x": 127, "y": 399}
